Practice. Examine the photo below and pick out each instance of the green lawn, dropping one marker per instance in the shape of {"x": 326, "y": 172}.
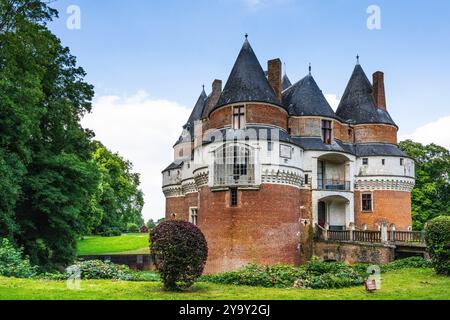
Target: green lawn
{"x": 128, "y": 243}
{"x": 411, "y": 284}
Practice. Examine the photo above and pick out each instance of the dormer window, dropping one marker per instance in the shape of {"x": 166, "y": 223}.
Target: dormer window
{"x": 238, "y": 117}
{"x": 327, "y": 131}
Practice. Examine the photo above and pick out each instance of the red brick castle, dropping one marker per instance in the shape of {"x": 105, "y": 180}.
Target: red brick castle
{"x": 262, "y": 162}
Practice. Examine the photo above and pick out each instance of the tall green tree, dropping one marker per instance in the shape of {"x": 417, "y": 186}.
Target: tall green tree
{"x": 119, "y": 199}
{"x": 431, "y": 195}
{"x": 48, "y": 174}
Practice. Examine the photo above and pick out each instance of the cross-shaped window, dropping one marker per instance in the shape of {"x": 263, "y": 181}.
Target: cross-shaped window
{"x": 238, "y": 117}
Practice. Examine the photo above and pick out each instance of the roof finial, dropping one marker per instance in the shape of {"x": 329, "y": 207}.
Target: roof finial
{"x": 246, "y": 35}
{"x": 203, "y": 86}
{"x": 357, "y": 59}
{"x": 310, "y": 68}
{"x": 285, "y": 69}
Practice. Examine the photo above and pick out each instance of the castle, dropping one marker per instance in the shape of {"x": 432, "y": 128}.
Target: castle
{"x": 262, "y": 162}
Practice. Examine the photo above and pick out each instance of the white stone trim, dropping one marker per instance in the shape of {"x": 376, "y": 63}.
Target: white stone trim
{"x": 384, "y": 183}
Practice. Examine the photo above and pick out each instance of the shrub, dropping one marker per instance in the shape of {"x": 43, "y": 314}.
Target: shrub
{"x": 412, "y": 262}
{"x": 99, "y": 270}
{"x": 278, "y": 276}
{"x": 179, "y": 250}
{"x": 111, "y": 232}
{"x": 132, "y": 228}
{"x": 13, "y": 263}
{"x": 315, "y": 275}
{"x": 437, "y": 234}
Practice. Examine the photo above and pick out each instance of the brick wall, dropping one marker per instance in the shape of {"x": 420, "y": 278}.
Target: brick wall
{"x": 305, "y": 126}
{"x": 375, "y": 133}
{"x": 264, "y": 228}
{"x": 255, "y": 113}
{"x": 392, "y": 207}
{"x": 180, "y": 206}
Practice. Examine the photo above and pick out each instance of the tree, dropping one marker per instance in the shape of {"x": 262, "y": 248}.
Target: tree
{"x": 431, "y": 195}
{"x": 151, "y": 224}
{"x": 437, "y": 234}
{"x": 179, "y": 250}
{"x": 118, "y": 198}
{"x": 52, "y": 188}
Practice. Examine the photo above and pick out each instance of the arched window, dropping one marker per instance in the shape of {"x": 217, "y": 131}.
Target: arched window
{"x": 234, "y": 165}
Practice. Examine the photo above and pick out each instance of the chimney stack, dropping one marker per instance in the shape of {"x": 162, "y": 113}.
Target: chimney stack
{"x": 378, "y": 90}
{"x": 214, "y": 98}
{"x": 274, "y": 74}
{"x": 216, "y": 91}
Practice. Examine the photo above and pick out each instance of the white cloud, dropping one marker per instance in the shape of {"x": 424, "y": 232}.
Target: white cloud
{"x": 142, "y": 130}
{"x": 433, "y": 132}
{"x": 332, "y": 100}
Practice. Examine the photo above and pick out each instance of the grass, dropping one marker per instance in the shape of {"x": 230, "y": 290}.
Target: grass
{"x": 406, "y": 284}
{"x": 134, "y": 243}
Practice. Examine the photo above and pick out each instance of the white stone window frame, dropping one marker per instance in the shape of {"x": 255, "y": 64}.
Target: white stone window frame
{"x": 193, "y": 215}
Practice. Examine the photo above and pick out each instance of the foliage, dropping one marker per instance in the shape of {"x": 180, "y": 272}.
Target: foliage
{"x": 277, "y": 276}
{"x": 316, "y": 275}
{"x": 96, "y": 245}
{"x": 179, "y": 250}
{"x": 132, "y": 228}
{"x": 150, "y": 224}
{"x": 50, "y": 184}
{"x": 437, "y": 233}
{"x": 412, "y": 262}
{"x": 431, "y": 195}
{"x": 13, "y": 263}
{"x": 118, "y": 200}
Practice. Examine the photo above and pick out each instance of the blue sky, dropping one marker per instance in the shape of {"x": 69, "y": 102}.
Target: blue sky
{"x": 155, "y": 50}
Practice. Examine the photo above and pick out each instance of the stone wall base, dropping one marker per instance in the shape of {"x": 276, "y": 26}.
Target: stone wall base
{"x": 352, "y": 253}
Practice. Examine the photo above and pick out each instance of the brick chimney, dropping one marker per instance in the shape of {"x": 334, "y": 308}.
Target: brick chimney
{"x": 274, "y": 74}
{"x": 215, "y": 96}
{"x": 378, "y": 90}
{"x": 216, "y": 91}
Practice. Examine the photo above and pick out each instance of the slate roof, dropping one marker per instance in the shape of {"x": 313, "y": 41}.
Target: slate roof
{"x": 174, "y": 165}
{"x": 306, "y": 99}
{"x": 367, "y": 150}
{"x": 197, "y": 112}
{"x": 247, "y": 81}
{"x": 316, "y": 144}
{"x": 285, "y": 83}
{"x": 358, "y": 104}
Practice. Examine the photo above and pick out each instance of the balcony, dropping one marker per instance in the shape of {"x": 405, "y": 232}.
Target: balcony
{"x": 333, "y": 185}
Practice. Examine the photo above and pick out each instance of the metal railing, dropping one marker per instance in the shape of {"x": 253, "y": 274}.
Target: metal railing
{"x": 333, "y": 185}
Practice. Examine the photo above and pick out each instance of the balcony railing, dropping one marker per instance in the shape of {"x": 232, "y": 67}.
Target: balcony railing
{"x": 391, "y": 237}
{"x": 333, "y": 185}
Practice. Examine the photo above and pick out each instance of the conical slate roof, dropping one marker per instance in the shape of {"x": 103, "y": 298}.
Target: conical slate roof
{"x": 198, "y": 109}
{"x": 358, "y": 104}
{"x": 247, "y": 81}
{"x": 188, "y": 129}
{"x": 285, "y": 83}
{"x": 306, "y": 99}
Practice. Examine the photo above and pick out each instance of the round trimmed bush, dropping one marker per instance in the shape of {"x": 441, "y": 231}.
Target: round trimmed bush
{"x": 437, "y": 234}
{"x": 179, "y": 250}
